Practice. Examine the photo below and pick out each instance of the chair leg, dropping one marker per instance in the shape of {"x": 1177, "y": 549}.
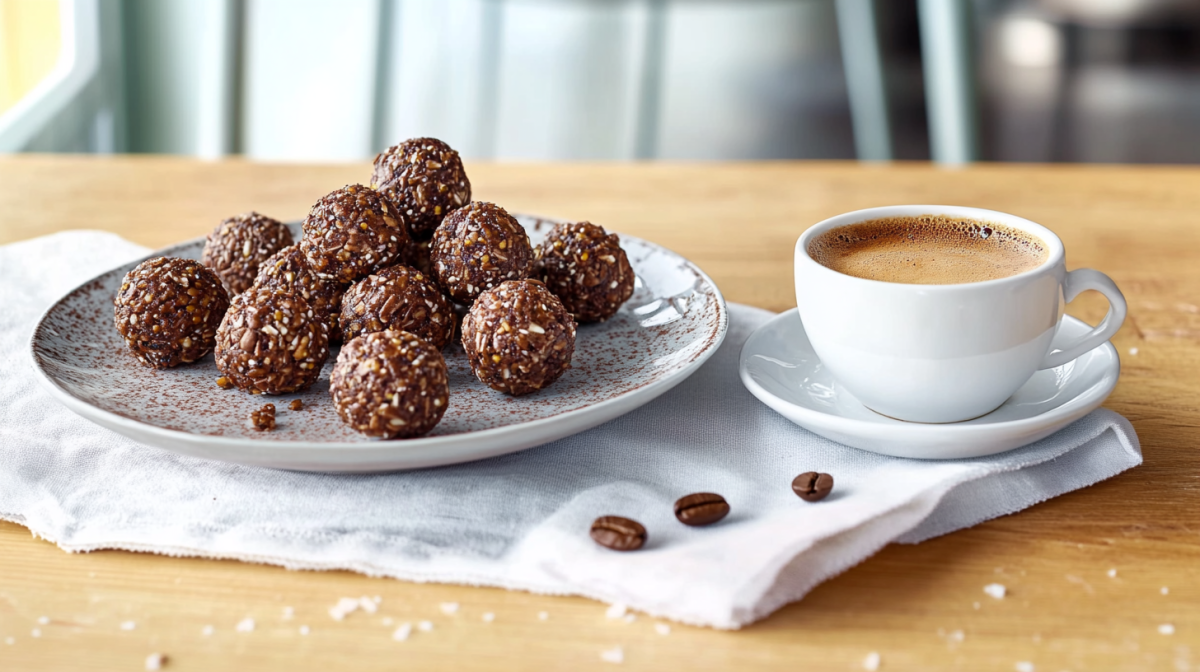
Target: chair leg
{"x": 863, "y": 64}
{"x": 949, "y": 80}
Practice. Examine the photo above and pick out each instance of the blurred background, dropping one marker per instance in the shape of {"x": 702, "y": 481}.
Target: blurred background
{"x": 338, "y": 80}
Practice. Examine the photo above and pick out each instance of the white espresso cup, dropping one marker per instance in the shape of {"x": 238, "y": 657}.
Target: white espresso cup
{"x": 943, "y": 353}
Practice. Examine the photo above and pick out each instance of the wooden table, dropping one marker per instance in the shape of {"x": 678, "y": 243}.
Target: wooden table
{"x": 739, "y": 222}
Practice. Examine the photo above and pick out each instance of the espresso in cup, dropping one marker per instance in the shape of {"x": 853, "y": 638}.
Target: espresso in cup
{"x": 967, "y": 310}
{"x": 928, "y": 250}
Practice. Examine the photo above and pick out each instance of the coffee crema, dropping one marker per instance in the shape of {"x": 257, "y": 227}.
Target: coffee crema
{"x": 928, "y": 250}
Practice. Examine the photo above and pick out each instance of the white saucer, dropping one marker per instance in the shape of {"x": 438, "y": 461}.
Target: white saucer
{"x": 779, "y": 367}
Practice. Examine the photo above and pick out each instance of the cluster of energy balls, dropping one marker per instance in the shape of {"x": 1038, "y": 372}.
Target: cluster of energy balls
{"x": 379, "y": 270}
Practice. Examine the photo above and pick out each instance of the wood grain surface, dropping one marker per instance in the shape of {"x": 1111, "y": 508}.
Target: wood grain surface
{"x": 919, "y": 607}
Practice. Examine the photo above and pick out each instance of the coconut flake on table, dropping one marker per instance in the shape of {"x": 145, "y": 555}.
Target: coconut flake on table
{"x": 288, "y": 613}
{"x": 956, "y": 636}
{"x": 207, "y": 630}
{"x": 871, "y": 662}
{"x": 543, "y": 615}
{"x": 344, "y": 606}
{"x": 128, "y": 625}
{"x": 662, "y": 629}
{"x": 449, "y": 608}
{"x": 155, "y": 661}
{"x": 245, "y": 625}
{"x": 614, "y": 655}
{"x": 425, "y": 626}
{"x": 401, "y": 634}
{"x": 368, "y": 605}
{"x": 996, "y": 590}
{"x": 304, "y": 630}
{"x": 1166, "y": 629}
{"x": 616, "y": 610}
{"x": 1024, "y": 666}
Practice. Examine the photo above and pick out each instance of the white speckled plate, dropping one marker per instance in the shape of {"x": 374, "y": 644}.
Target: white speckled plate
{"x": 778, "y": 366}
{"x": 675, "y": 320}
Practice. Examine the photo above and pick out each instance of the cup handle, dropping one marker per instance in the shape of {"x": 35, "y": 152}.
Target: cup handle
{"x": 1077, "y": 282}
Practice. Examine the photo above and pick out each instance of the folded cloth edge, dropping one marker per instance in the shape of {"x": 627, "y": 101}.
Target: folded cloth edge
{"x": 775, "y": 598}
{"x": 1127, "y": 438}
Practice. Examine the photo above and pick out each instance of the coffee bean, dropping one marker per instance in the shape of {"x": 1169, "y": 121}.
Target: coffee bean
{"x": 812, "y": 487}
{"x": 701, "y": 508}
{"x": 619, "y": 534}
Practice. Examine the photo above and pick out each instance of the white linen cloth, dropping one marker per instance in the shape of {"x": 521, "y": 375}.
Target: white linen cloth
{"x": 520, "y": 521}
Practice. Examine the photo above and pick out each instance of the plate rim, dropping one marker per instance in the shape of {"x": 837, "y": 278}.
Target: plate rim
{"x": 377, "y": 449}
{"x": 1091, "y": 399}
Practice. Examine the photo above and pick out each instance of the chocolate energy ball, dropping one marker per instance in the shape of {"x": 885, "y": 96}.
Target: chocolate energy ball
{"x": 239, "y": 245}
{"x": 390, "y": 385}
{"x": 425, "y": 179}
{"x": 351, "y": 233}
{"x": 399, "y": 298}
{"x": 289, "y": 271}
{"x": 476, "y": 248}
{"x": 168, "y": 311}
{"x": 518, "y": 337}
{"x": 586, "y": 269}
{"x": 271, "y": 342}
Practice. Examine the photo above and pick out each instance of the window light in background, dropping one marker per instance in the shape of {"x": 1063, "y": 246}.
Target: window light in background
{"x": 29, "y": 46}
